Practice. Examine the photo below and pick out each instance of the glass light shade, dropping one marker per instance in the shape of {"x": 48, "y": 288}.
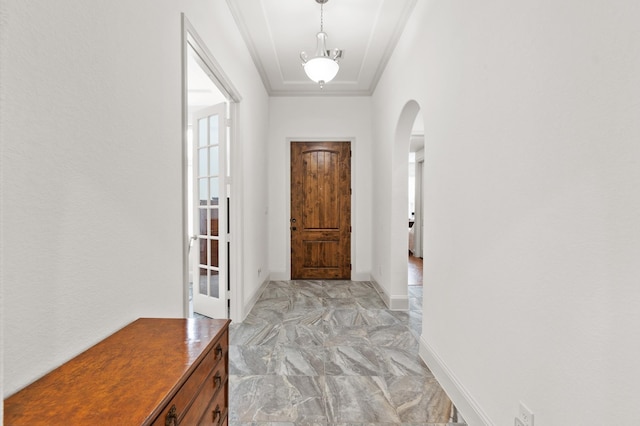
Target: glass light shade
{"x": 321, "y": 68}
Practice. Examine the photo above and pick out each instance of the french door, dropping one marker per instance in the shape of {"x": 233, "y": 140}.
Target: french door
{"x": 210, "y": 212}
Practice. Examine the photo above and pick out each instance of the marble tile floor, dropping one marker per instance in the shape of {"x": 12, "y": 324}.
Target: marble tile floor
{"x": 331, "y": 353}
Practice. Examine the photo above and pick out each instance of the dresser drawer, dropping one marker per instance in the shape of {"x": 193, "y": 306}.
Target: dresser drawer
{"x": 214, "y": 387}
{"x": 210, "y": 375}
{"x": 216, "y": 413}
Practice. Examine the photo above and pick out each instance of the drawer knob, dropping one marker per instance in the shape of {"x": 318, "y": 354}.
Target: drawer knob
{"x": 218, "y": 351}
{"x": 217, "y": 381}
{"x": 172, "y": 417}
{"x": 217, "y": 414}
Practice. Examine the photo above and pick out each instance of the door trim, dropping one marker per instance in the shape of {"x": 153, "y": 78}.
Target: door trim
{"x": 190, "y": 36}
{"x": 354, "y": 206}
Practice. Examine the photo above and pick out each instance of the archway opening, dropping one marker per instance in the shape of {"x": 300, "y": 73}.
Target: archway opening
{"x": 406, "y": 236}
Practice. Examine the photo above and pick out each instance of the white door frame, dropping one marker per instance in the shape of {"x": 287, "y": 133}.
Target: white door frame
{"x": 220, "y": 79}
{"x": 418, "y": 205}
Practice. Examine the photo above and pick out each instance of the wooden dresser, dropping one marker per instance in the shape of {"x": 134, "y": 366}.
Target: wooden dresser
{"x": 152, "y": 372}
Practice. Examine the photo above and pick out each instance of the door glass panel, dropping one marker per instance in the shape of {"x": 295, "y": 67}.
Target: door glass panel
{"x": 213, "y": 161}
{"x": 203, "y": 222}
{"x": 202, "y": 162}
{"x": 215, "y": 190}
{"x": 204, "y": 245}
{"x": 214, "y": 223}
{"x": 203, "y": 190}
{"x": 213, "y": 130}
{"x": 214, "y": 284}
{"x": 202, "y": 132}
{"x": 214, "y": 253}
{"x": 204, "y": 279}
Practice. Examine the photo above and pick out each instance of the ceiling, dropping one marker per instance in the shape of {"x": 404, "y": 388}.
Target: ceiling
{"x": 276, "y": 31}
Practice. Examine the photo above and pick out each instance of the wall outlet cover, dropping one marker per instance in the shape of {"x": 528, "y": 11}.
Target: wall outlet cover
{"x": 525, "y": 415}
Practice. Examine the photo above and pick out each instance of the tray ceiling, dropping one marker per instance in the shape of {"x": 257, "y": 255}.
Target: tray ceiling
{"x": 276, "y": 31}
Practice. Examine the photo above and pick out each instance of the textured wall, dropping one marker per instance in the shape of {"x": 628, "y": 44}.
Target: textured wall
{"x": 92, "y": 168}
{"x": 531, "y": 201}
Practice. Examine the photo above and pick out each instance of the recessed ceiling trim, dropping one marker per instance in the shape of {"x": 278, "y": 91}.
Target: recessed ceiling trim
{"x": 271, "y": 29}
{"x": 253, "y": 51}
{"x": 393, "y": 42}
{"x": 370, "y": 42}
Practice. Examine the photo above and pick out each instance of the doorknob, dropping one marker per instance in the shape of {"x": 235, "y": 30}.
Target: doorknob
{"x": 293, "y": 220}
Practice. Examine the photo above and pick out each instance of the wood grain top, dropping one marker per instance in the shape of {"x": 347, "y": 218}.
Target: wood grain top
{"x": 122, "y": 380}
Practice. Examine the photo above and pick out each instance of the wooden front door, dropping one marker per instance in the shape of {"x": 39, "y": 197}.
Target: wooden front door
{"x": 320, "y": 210}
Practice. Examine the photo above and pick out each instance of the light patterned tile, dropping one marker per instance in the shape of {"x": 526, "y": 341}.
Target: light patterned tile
{"x": 357, "y": 399}
{"x": 248, "y": 334}
{"x": 298, "y": 361}
{"x": 304, "y": 335}
{"x": 398, "y": 336}
{"x": 352, "y": 361}
{"x": 296, "y": 399}
{"x": 418, "y": 400}
{"x": 251, "y": 360}
{"x": 330, "y": 353}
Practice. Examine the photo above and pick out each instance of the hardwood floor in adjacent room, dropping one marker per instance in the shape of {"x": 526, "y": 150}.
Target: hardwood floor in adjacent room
{"x": 415, "y": 270}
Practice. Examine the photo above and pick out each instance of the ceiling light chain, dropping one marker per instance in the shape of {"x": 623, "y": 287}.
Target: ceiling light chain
{"x": 323, "y": 67}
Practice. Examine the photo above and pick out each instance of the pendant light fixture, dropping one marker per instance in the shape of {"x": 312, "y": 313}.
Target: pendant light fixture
{"x": 323, "y": 67}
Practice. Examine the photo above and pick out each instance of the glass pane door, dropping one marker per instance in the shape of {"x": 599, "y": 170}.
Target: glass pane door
{"x": 210, "y": 215}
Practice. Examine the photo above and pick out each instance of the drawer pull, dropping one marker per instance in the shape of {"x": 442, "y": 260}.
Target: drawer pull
{"x": 217, "y": 414}
{"x": 172, "y": 417}
{"x": 218, "y": 351}
{"x": 217, "y": 381}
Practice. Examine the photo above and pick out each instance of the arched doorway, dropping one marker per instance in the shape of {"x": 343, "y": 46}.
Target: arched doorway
{"x": 399, "y": 213}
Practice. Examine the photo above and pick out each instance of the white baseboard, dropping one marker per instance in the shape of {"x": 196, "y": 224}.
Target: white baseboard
{"x": 251, "y": 303}
{"x": 280, "y": 276}
{"x": 399, "y": 303}
{"x": 459, "y": 395}
{"x": 360, "y": 276}
{"x": 395, "y": 303}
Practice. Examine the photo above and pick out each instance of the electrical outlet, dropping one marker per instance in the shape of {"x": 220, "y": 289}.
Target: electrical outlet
{"x": 517, "y": 422}
{"x": 525, "y": 415}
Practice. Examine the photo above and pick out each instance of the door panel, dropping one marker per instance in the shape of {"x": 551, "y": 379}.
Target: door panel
{"x": 209, "y": 290}
{"x": 320, "y": 210}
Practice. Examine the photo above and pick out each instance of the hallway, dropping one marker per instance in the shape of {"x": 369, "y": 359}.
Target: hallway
{"x": 328, "y": 352}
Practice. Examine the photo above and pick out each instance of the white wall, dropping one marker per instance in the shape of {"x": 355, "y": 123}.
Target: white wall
{"x": 317, "y": 118}
{"x": 91, "y": 168}
{"x": 532, "y": 207}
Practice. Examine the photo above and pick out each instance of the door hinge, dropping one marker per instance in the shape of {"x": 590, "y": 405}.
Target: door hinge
{"x": 350, "y": 267}
{"x": 350, "y": 229}
{"x": 350, "y": 191}
{"x": 227, "y": 122}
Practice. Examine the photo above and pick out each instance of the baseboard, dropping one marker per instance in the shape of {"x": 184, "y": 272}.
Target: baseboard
{"x": 383, "y": 294}
{"x": 360, "y": 276}
{"x": 280, "y": 276}
{"x": 399, "y": 303}
{"x": 395, "y": 303}
{"x": 459, "y": 395}
{"x": 251, "y": 303}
